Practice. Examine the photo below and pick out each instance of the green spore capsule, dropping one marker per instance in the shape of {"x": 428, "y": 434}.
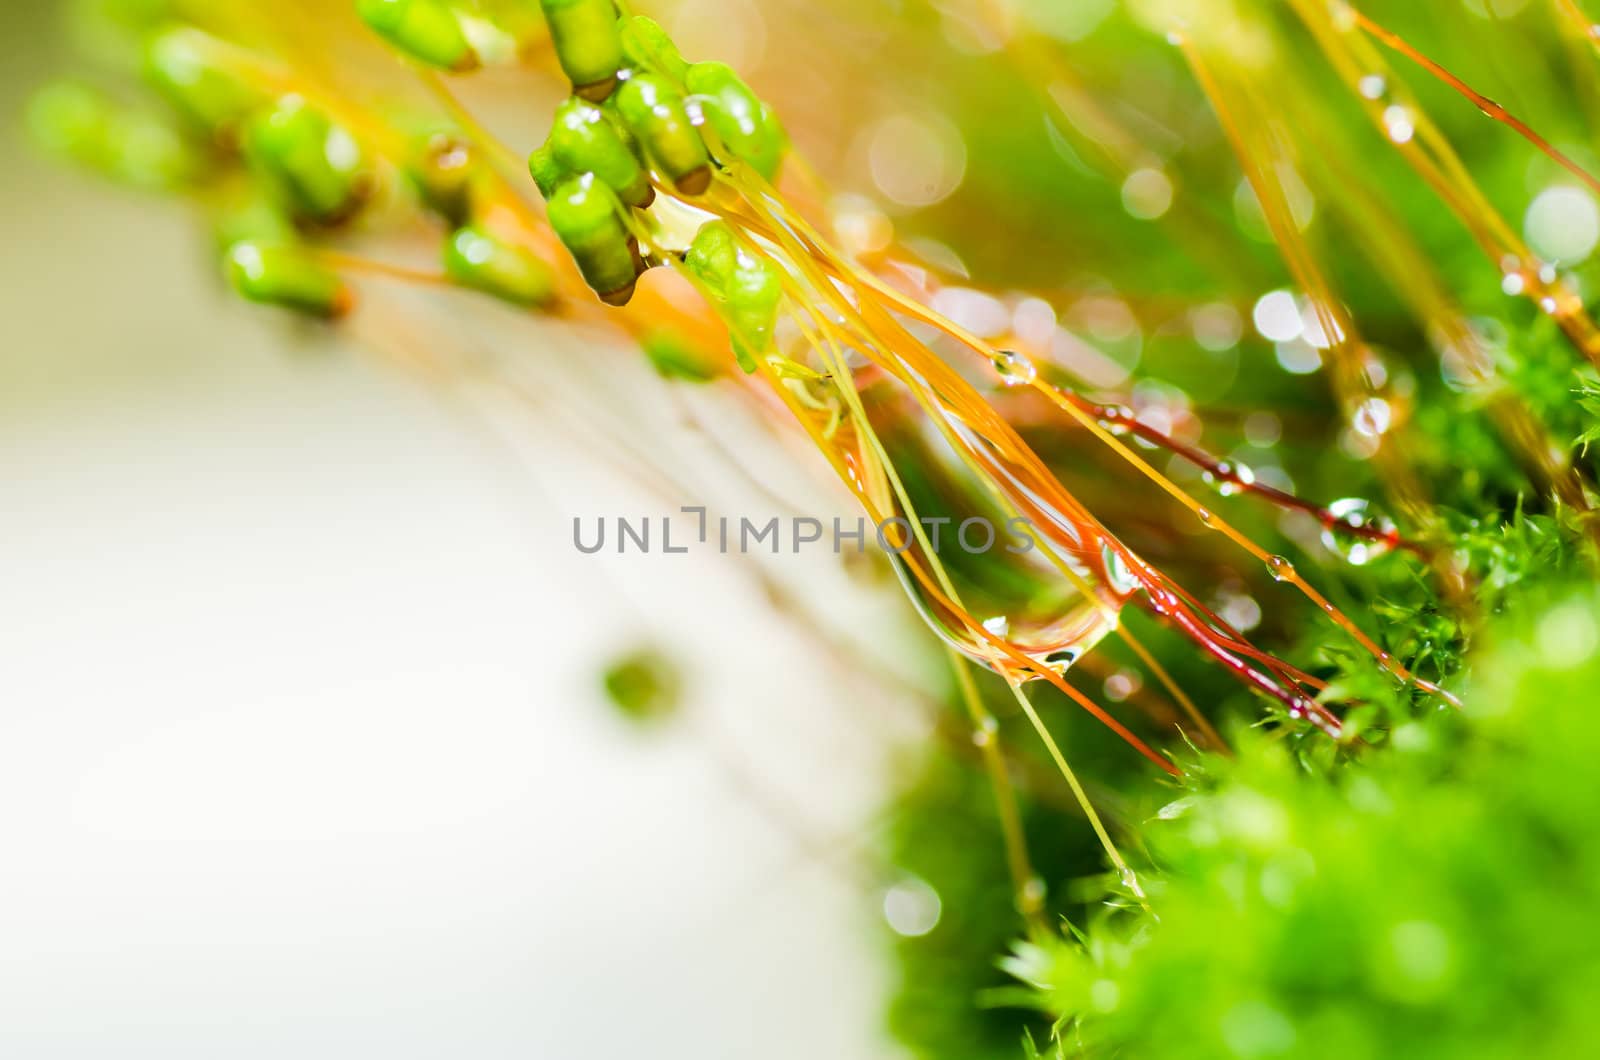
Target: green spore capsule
{"x": 547, "y": 173}
{"x": 712, "y": 257}
{"x": 646, "y": 46}
{"x": 587, "y": 44}
{"x": 674, "y": 357}
{"x": 426, "y": 30}
{"x": 188, "y": 68}
{"x": 654, "y": 113}
{"x": 285, "y": 276}
{"x": 252, "y": 219}
{"x": 747, "y": 287}
{"x": 586, "y": 215}
{"x": 129, "y": 146}
{"x": 445, "y": 172}
{"x": 645, "y": 686}
{"x": 746, "y": 126}
{"x": 474, "y": 258}
{"x": 315, "y": 167}
{"x": 584, "y": 141}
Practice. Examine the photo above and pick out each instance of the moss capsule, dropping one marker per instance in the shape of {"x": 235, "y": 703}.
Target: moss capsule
{"x": 747, "y": 287}
{"x": 474, "y": 258}
{"x": 316, "y": 167}
{"x": 745, "y": 125}
{"x": 251, "y": 218}
{"x": 446, "y": 171}
{"x": 713, "y": 256}
{"x": 285, "y": 276}
{"x": 187, "y": 68}
{"x": 587, "y": 216}
{"x": 547, "y": 173}
{"x": 584, "y": 141}
{"x": 654, "y": 113}
{"x": 674, "y": 357}
{"x": 646, "y": 46}
{"x": 425, "y": 30}
{"x": 131, "y": 146}
{"x": 587, "y": 44}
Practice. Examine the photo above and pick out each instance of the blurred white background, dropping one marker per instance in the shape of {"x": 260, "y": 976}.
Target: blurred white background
{"x": 301, "y": 746}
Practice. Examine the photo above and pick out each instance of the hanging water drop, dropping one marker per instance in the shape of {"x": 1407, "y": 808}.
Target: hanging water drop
{"x": 1280, "y": 568}
{"x": 1351, "y": 513}
{"x": 1014, "y": 369}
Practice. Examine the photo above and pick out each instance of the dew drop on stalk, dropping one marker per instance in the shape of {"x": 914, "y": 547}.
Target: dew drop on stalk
{"x": 1347, "y": 513}
{"x": 1120, "y": 578}
{"x": 1205, "y": 516}
{"x": 1280, "y": 568}
{"x": 1014, "y": 369}
{"x": 1230, "y": 479}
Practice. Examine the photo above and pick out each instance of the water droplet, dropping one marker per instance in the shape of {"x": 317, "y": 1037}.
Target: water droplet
{"x": 1014, "y": 369}
{"x": 1116, "y": 419}
{"x": 1205, "y": 516}
{"x": 1351, "y": 512}
{"x": 1117, "y": 573}
{"x": 1280, "y": 568}
{"x": 1230, "y": 479}
{"x": 1131, "y": 882}
{"x": 1373, "y": 86}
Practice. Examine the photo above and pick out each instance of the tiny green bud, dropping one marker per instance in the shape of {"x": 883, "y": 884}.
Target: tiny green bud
{"x": 474, "y": 258}
{"x": 584, "y": 141}
{"x": 646, "y": 46}
{"x": 285, "y": 276}
{"x": 587, "y": 44}
{"x": 186, "y": 66}
{"x": 744, "y": 124}
{"x": 654, "y": 112}
{"x": 587, "y": 216}
{"x": 315, "y": 167}
{"x": 426, "y": 30}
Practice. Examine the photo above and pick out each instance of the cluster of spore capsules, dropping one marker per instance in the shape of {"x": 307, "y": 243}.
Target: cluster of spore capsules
{"x": 289, "y": 167}
{"x": 638, "y": 107}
